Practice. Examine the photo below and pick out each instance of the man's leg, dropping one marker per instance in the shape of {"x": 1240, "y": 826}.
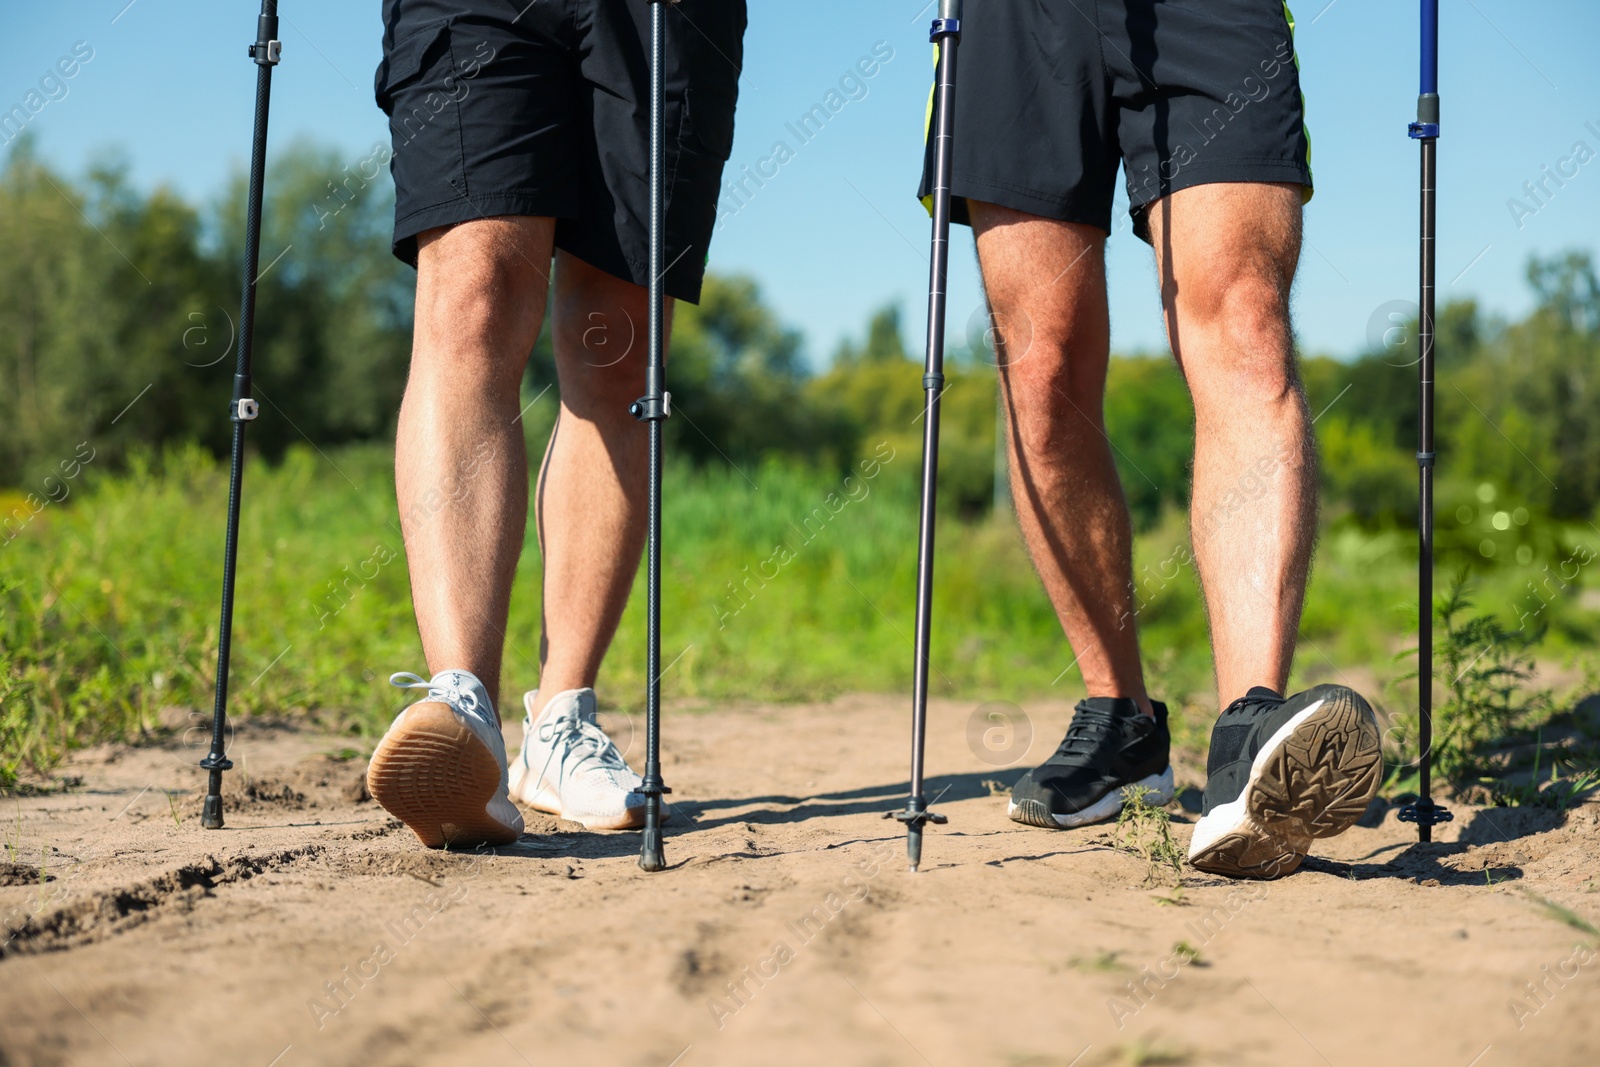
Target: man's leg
{"x": 1226, "y": 256}
{"x": 461, "y": 473}
{"x": 1281, "y": 772}
{"x": 461, "y": 466}
{"x": 1045, "y": 282}
{"x": 1046, "y": 286}
{"x": 592, "y": 486}
{"x": 591, "y": 504}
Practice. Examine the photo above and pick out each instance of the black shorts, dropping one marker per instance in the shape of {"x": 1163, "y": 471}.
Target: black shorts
{"x": 541, "y": 107}
{"x": 1052, "y": 94}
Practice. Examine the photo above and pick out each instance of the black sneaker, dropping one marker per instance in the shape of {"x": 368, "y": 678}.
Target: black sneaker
{"x": 1282, "y": 772}
{"x": 1110, "y": 745}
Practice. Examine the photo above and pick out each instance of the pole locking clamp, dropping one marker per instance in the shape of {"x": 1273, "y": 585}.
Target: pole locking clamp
{"x": 652, "y": 409}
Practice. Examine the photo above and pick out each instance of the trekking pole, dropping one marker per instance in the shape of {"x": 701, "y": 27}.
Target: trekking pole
{"x": 654, "y": 408}
{"x": 264, "y": 53}
{"x": 946, "y": 34}
{"x": 1423, "y": 811}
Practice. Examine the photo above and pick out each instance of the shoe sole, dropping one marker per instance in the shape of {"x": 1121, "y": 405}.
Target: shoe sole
{"x": 433, "y": 774}
{"x": 1037, "y": 813}
{"x": 1313, "y": 779}
{"x": 548, "y": 801}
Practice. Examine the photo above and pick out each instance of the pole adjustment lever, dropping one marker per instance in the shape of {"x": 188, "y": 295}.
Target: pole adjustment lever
{"x": 652, "y": 409}
{"x": 266, "y": 53}
{"x": 268, "y": 49}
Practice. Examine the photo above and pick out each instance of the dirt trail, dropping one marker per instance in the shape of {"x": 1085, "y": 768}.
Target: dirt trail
{"x": 313, "y": 931}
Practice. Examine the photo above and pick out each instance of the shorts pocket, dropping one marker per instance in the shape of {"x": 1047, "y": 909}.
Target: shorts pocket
{"x": 405, "y": 63}
{"x": 708, "y": 122}
{"x": 712, "y": 54}
{"x": 421, "y": 92}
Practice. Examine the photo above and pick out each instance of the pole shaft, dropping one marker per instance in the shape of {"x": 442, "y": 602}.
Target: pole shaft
{"x": 216, "y": 760}
{"x": 1430, "y": 47}
{"x": 650, "y": 854}
{"x": 1425, "y": 487}
{"x": 1426, "y": 131}
{"x": 933, "y": 386}
{"x": 653, "y": 389}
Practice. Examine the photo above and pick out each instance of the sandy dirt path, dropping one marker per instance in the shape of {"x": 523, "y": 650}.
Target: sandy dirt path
{"x": 313, "y": 931}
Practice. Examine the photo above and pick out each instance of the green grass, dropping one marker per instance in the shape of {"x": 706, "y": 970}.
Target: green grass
{"x": 1146, "y": 831}
{"x": 780, "y": 583}
{"x": 1564, "y": 915}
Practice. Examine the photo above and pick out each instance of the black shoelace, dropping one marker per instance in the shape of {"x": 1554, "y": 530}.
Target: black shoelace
{"x": 1251, "y": 707}
{"x": 1084, "y": 737}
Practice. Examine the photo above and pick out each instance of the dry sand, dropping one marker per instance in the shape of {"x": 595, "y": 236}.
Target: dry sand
{"x": 313, "y": 930}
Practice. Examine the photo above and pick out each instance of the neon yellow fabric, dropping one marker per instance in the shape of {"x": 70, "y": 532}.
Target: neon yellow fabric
{"x": 927, "y": 121}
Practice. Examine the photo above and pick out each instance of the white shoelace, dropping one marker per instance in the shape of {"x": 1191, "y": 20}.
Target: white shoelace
{"x": 457, "y": 695}
{"x": 575, "y": 731}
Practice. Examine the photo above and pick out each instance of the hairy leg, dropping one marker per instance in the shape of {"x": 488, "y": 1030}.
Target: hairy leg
{"x": 1045, "y": 282}
{"x": 461, "y": 467}
{"x": 1226, "y": 255}
{"x": 592, "y": 487}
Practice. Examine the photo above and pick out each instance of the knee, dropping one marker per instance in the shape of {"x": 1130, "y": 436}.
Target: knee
{"x": 601, "y": 340}
{"x": 1248, "y": 349}
{"x": 1054, "y": 398}
{"x": 480, "y": 304}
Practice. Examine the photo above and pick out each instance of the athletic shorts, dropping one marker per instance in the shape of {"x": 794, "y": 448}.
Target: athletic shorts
{"x": 541, "y": 107}
{"x": 1052, "y": 94}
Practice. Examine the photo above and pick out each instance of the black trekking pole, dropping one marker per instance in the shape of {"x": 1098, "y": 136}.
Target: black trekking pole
{"x": 244, "y": 409}
{"x": 946, "y": 33}
{"x": 654, "y": 408}
{"x": 1423, "y": 811}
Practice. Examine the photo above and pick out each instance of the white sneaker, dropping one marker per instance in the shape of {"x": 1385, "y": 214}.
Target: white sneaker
{"x": 569, "y": 767}
{"x": 441, "y": 768}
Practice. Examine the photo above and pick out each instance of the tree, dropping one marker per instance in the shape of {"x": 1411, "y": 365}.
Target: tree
{"x": 883, "y": 343}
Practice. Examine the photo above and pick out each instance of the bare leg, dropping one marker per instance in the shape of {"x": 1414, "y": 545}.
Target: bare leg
{"x": 591, "y": 496}
{"x": 1226, "y": 255}
{"x": 461, "y": 467}
{"x": 1046, "y": 286}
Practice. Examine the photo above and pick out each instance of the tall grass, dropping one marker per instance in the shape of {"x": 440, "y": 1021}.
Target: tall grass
{"x": 780, "y": 583}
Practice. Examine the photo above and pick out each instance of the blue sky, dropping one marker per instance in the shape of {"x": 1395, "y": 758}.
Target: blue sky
{"x": 838, "y": 232}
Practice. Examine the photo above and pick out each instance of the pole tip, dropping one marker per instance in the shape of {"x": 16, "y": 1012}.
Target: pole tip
{"x": 651, "y": 857}
{"x": 211, "y": 814}
{"x": 914, "y": 846}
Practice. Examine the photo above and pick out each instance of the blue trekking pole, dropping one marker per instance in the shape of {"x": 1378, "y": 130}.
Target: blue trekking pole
{"x": 1423, "y": 811}
{"x": 946, "y": 33}
{"x": 264, "y": 53}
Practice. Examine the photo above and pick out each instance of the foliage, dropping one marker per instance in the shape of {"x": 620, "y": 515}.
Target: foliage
{"x": 1515, "y": 409}
{"x": 115, "y": 303}
{"x": 1487, "y": 669}
{"x": 1558, "y": 795}
{"x": 1145, "y": 830}
{"x": 111, "y": 297}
